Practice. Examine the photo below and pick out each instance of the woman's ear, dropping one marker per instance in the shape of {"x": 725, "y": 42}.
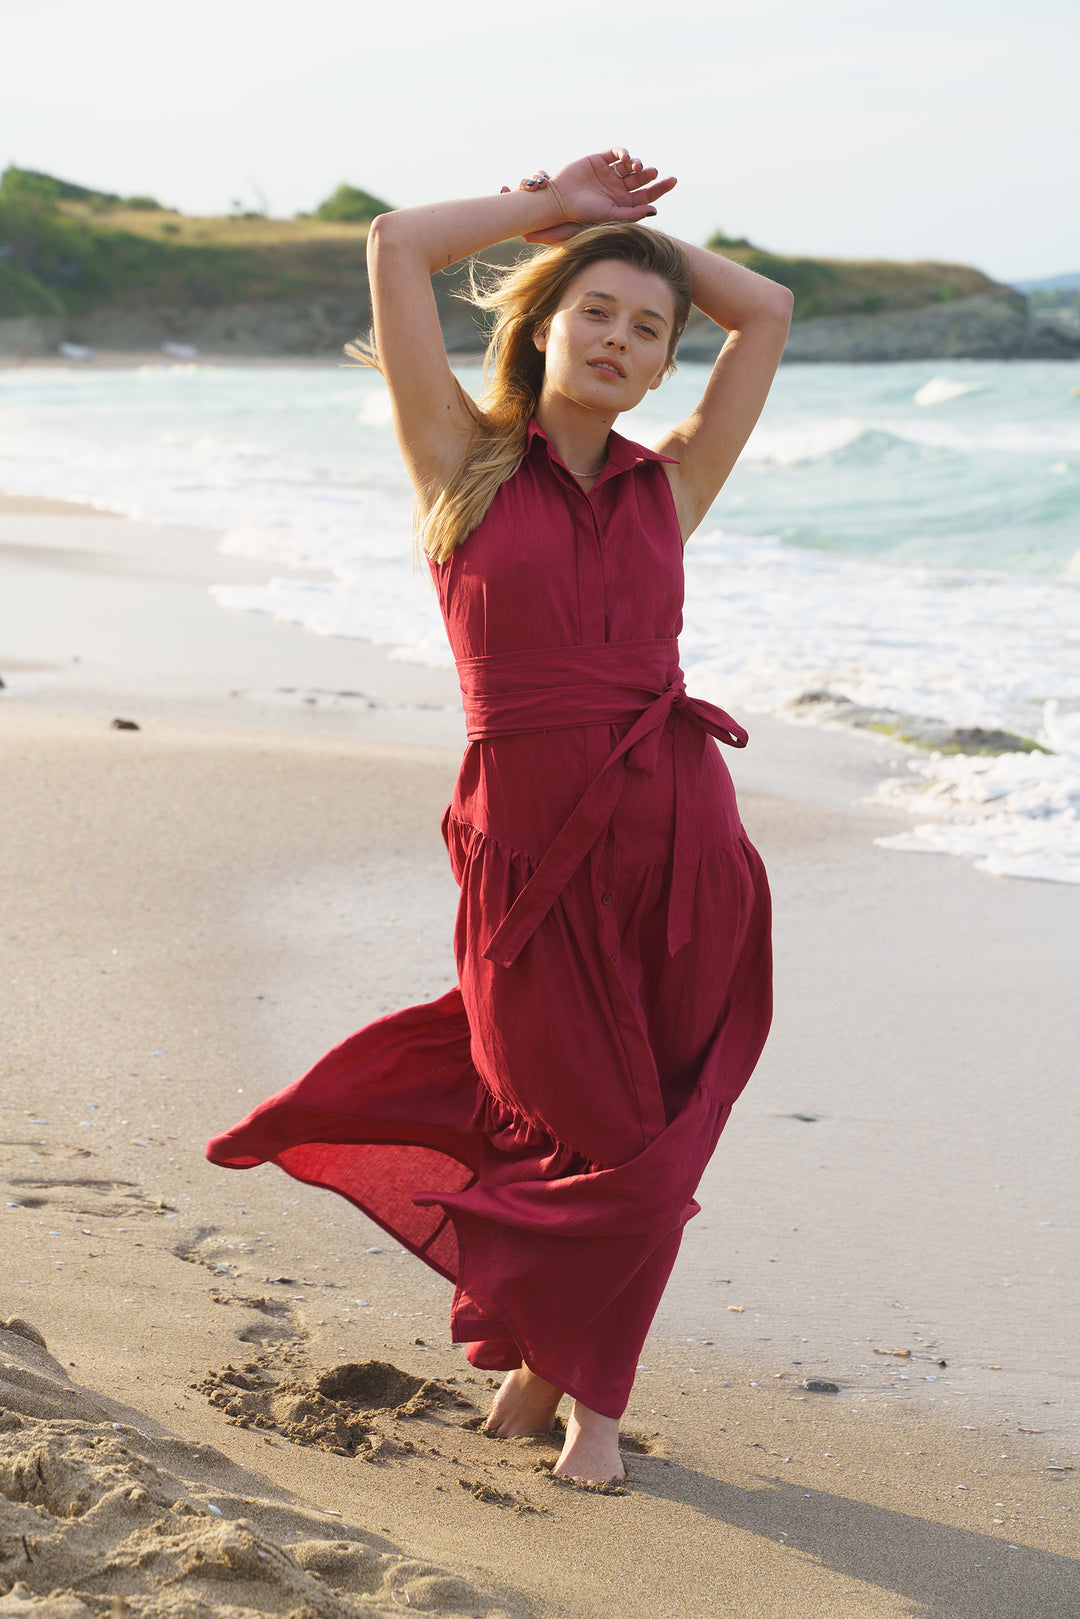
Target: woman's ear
{"x": 539, "y": 338}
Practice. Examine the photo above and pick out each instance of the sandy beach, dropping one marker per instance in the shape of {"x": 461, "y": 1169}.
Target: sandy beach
{"x": 227, "y": 1394}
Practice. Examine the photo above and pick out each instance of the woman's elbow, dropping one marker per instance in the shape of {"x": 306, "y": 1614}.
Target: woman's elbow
{"x": 384, "y": 239}
{"x": 380, "y": 231}
{"x": 783, "y": 303}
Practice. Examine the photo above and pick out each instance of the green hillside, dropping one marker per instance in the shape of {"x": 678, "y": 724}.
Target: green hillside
{"x": 66, "y": 249}
{"x": 861, "y": 286}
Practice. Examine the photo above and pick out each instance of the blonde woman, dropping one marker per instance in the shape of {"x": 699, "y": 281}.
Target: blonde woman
{"x": 537, "y": 1134}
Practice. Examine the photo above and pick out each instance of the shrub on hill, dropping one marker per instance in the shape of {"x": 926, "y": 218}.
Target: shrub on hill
{"x": 719, "y": 239}
{"x": 349, "y": 203}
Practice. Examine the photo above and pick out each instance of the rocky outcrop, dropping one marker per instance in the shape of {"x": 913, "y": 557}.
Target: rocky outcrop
{"x": 286, "y": 326}
{"x": 295, "y": 327}
{"x": 31, "y": 334}
{"x": 265, "y": 328}
{"x": 978, "y": 328}
{"x": 969, "y": 329}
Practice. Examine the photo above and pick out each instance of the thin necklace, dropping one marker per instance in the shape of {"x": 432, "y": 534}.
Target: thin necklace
{"x": 595, "y": 474}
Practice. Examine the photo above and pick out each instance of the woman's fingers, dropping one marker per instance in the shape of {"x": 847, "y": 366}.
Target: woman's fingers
{"x": 533, "y": 182}
{"x": 643, "y": 182}
{"x": 655, "y": 189}
{"x": 624, "y": 165}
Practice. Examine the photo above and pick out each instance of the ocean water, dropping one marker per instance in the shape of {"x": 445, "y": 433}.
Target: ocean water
{"x": 905, "y": 536}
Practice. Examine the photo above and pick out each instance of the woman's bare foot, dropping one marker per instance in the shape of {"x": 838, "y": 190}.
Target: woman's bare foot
{"x": 591, "y": 1452}
{"x": 524, "y": 1405}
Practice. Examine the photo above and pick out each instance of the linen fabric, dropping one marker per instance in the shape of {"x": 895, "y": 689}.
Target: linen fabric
{"x": 537, "y": 1134}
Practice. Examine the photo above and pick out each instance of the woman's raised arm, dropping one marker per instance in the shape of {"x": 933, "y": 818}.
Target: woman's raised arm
{"x": 432, "y": 419}
{"x": 756, "y": 314}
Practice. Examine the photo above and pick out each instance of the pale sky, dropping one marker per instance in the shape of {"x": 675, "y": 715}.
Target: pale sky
{"x": 944, "y": 129}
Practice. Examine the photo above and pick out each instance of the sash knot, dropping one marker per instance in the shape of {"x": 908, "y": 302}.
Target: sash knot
{"x": 633, "y": 683}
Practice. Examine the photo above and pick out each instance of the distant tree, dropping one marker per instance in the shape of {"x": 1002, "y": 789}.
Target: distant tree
{"x": 350, "y": 203}
{"x": 150, "y": 204}
{"x": 719, "y": 239}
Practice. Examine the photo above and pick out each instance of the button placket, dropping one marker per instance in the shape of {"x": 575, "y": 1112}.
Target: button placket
{"x": 603, "y": 878}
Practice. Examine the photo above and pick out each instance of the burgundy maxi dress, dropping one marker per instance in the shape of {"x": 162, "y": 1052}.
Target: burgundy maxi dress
{"x": 537, "y": 1134}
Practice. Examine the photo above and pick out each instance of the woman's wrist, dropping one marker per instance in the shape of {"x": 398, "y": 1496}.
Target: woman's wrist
{"x": 606, "y": 186}
{"x": 443, "y": 233}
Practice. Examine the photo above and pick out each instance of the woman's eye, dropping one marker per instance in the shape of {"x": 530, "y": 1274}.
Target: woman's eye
{"x": 650, "y": 331}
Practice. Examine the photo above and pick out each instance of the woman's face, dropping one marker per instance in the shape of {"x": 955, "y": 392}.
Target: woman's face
{"x": 607, "y": 343}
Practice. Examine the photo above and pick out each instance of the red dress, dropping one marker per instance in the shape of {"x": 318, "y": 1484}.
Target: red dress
{"x": 537, "y": 1134}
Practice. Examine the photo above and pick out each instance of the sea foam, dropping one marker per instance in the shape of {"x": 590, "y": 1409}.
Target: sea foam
{"x": 902, "y": 539}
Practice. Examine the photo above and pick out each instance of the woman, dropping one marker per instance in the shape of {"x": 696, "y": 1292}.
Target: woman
{"x": 537, "y": 1134}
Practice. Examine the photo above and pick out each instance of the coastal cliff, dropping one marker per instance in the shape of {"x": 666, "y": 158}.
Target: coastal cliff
{"x": 978, "y": 328}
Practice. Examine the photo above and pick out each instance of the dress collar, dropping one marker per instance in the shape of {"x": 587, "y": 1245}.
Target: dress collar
{"x": 622, "y": 453}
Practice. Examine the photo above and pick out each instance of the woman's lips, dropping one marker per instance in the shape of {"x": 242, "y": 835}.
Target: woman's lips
{"x": 608, "y": 365}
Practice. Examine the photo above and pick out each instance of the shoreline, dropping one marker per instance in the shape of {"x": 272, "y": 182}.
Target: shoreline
{"x": 199, "y": 910}
{"x": 109, "y": 359}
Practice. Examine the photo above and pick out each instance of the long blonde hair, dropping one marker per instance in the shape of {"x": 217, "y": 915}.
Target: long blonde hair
{"x": 522, "y": 299}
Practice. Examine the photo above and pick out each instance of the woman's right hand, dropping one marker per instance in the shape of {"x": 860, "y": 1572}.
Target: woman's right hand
{"x": 606, "y": 188}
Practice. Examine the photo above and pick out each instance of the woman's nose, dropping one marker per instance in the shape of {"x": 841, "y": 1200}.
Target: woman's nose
{"x": 617, "y": 339}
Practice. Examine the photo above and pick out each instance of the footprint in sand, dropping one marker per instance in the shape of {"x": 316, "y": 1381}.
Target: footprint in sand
{"x": 350, "y": 1410}
{"x": 51, "y": 1178}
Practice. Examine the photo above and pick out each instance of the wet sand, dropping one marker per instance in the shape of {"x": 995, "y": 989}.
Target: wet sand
{"x": 196, "y": 910}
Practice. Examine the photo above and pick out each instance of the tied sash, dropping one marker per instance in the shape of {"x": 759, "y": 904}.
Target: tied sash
{"x": 635, "y": 683}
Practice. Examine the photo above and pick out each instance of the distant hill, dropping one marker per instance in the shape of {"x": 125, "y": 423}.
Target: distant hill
{"x": 1069, "y": 282}
{"x": 127, "y": 273}
{"x": 825, "y": 287}
{"x": 31, "y": 183}
{"x": 870, "y": 310}
{"x": 65, "y": 249}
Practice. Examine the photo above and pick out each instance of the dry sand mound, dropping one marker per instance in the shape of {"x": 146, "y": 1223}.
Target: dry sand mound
{"x": 98, "y": 1518}
{"x": 351, "y": 1410}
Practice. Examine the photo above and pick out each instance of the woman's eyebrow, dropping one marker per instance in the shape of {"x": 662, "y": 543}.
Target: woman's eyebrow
{"x": 609, "y": 297}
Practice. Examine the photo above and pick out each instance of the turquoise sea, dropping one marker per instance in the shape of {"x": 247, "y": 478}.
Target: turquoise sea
{"x": 906, "y": 536}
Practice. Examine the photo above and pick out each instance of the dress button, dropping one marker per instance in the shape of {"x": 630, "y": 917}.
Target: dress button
{"x": 605, "y": 899}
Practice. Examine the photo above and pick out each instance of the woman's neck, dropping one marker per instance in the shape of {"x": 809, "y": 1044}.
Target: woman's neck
{"x": 578, "y": 438}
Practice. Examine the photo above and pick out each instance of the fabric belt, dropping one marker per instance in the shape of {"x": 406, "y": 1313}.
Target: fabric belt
{"x": 638, "y": 683}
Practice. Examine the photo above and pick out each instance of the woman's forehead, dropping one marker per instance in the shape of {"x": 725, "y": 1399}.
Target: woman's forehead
{"x": 620, "y": 282}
